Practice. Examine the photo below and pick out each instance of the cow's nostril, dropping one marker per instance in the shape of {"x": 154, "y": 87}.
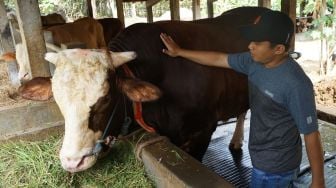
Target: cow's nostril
{"x": 72, "y": 163}
{"x": 81, "y": 162}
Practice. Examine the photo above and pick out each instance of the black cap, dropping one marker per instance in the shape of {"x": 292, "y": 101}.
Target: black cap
{"x": 273, "y": 26}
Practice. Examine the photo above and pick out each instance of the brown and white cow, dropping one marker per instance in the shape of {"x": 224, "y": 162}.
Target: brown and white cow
{"x": 86, "y": 30}
{"x": 181, "y": 100}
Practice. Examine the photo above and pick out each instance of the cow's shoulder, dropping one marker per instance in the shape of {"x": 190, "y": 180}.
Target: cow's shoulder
{"x": 137, "y": 37}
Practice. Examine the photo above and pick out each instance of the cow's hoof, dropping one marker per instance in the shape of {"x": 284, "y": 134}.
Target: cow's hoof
{"x": 235, "y": 147}
{"x": 237, "y": 153}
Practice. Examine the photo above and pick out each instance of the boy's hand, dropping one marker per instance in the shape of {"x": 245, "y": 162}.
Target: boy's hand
{"x": 172, "y": 48}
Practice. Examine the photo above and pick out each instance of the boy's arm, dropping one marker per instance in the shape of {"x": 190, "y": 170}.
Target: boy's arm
{"x": 315, "y": 156}
{"x": 202, "y": 57}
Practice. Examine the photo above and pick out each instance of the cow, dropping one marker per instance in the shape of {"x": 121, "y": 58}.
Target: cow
{"x": 96, "y": 90}
{"x": 86, "y": 30}
{"x": 52, "y": 19}
{"x": 111, "y": 27}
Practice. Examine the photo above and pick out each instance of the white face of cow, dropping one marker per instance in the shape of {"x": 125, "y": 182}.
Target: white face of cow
{"x": 80, "y": 79}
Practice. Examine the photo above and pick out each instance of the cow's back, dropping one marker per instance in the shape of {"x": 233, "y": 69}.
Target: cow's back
{"x": 86, "y": 30}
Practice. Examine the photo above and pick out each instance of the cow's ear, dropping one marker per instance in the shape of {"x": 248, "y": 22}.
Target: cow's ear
{"x": 38, "y": 89}
{"x": 140, "y": 91}
{"x": 120, "y": 58}
{"x": 7, "y": 57}
{"x": 51, "y": 57}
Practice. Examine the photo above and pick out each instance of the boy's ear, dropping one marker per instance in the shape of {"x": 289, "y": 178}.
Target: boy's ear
{"x": 280, "y": 49}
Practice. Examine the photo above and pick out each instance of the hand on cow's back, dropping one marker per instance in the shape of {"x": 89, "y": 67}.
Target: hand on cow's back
{"x": 208, "y": 58}
{"x": 173, "y": 49}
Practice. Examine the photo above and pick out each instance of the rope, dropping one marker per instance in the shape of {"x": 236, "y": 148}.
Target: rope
{"x": 151, "y": 141}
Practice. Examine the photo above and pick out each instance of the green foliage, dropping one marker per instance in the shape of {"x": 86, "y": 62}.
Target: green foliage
{"x": 104, "y": 8}
{"x": 73, "y": 9}
{"x": 309, "y": 7}
{"x": 9, "y": 4}
{"x": 46, "y": 6}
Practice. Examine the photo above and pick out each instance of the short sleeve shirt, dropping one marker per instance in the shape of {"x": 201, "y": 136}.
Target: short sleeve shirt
{"x": 282, "y": 106}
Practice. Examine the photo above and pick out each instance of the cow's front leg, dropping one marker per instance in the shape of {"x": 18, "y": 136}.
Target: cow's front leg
{"x": 236, "y": 142}
{"x": 197, "y": 143}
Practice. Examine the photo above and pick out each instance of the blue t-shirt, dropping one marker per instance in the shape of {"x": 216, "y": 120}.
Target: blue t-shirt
{"x": 282, "y": 106}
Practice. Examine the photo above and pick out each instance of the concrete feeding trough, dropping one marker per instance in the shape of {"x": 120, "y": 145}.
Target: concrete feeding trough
{"x": 24, "y": 119}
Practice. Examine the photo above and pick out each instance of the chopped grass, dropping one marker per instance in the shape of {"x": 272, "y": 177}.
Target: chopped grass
{"x": 36, "y": 164}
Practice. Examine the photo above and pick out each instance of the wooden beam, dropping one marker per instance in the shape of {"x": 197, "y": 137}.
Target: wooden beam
{"x": 120, "y": 11}
{"x": 289, "y": 7}
{"x": 7, "y": 45}
{"x": 264, "y": 3}
{"x": 174, "y": 9}
{"x": 28, "y": 15}
{"x": 196, "y": 9}
{"x": 150, "y": 3}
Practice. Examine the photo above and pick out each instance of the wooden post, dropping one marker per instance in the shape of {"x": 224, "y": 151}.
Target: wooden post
{"x": 5, "y": 33}
{"x": 89, "y": 8}
{"x": 264, "y": 3}
{"x": 7, "y": 45}
{"x": 149, "y": 8}
{"x": 29, "y": 20}
{"x": 174, "y": 9}
{"x": 120, "y": 11}
{"x": 289, "y": 7}
{"x": 196, "y": 8}
{"x": 210, "y": 8}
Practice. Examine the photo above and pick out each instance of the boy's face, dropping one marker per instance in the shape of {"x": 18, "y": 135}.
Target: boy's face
{"x": 263, "y": 52}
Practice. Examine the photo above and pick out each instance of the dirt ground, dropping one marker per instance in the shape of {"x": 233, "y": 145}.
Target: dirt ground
{"x": 325, "y": 92}
{"x": 324, "y": 86}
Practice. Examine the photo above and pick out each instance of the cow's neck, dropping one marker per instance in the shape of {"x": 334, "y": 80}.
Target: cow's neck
{"x": 137, "y": 106}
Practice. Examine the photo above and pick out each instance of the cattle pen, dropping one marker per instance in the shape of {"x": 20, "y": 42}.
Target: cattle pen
{"x": 31, "y": 132}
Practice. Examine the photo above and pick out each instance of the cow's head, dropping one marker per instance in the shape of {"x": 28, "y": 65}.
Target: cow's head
{"x": 82, "y": 88}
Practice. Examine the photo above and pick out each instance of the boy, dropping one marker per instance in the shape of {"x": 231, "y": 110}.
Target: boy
{"x": 281, "y": 100}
